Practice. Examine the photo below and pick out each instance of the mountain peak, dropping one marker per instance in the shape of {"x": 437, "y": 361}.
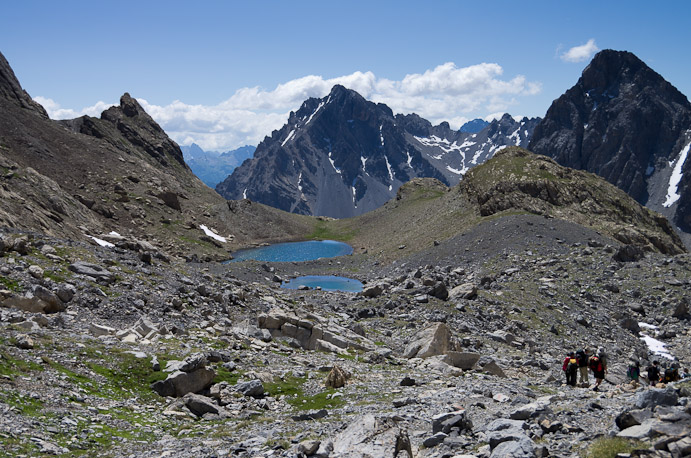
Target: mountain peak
{"x": 130, "y": 106}
{"x": 10, "y": 89}
{"x": 625, "y": 122}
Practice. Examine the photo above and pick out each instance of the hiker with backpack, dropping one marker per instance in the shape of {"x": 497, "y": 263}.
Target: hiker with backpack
{"x": 653, "y": 373}
{"x": 570, "y": 368}
{"x": 582, "y": 357}
{"x": 634, "y": 370}
{"x": 598, "y": 364}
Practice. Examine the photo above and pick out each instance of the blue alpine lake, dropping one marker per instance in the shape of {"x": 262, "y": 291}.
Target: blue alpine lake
{"x": 294, "y": 251}
{"x": 325, "y": 282}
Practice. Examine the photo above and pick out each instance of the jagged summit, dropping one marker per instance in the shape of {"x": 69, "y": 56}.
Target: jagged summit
{"x": 625, "y": 122}
{"x": 131, "y": 121}
{"x": 10, "y": 89}
{"x": 343, "y": 155}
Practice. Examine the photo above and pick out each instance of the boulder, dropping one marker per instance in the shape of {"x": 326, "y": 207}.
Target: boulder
{"x": 435, "y": 440}
{"x": 309, "y": 447}
{"x": 313, "y": 415}
{"x": 463, "y": 291}
{"x": 180, "y": 383}
{"x": 631, "y": 418}
{"x": 253, "y": 388}
{"x": 520, "y": 447}
{"x": 337, "y": 378}
{"x": 629, "y": 253}
{"x": 66, "y": 292}
{"x": 95, "y": 271}
{"x": 439, "y": 291}
{"x": 493, "y": 368}
{"x": 200, "y": 405}
{"x": 462, "y": 360}
{"x": 370, "y": 436}
{"x": 445, "y": 421}
{"x": 433, "y": 340}
{"x": 36, "y": 271}
{"x": 372, "y": 291}
{"x": 657, "y": 397}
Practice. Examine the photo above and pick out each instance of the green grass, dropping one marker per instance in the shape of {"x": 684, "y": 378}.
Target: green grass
{"x": 12, "y": 285}
{"x": 291, "y": 388}
{"x": 26, "y": 405}
{"x": 10, "y": 366}
{"x": 329, "y": 230}
{"x": 608, "y": 447}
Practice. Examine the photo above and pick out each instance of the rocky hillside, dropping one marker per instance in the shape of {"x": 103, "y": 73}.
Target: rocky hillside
{"x": 454, "y": 350}
{"x": 513, "y": 181}
{"x": 623, "y": 121}
{"x": 119, "y": 173}
{"x": 342, "y": 156}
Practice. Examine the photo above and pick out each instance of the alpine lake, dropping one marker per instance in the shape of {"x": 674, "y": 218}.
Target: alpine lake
{"x": 300, "y": 252}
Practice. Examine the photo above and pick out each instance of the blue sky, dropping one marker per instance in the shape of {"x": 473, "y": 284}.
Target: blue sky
{"x": 225, "y": 73}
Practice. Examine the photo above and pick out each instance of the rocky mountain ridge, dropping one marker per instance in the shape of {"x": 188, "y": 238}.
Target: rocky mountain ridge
{"x": 120, "y": 173}
{"x": 342, "y": 156}
{"x": 625, "y": 122}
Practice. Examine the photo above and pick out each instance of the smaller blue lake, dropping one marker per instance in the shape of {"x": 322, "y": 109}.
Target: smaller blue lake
{"x": 325, "y": 282}
{"x": 294, "y": 251}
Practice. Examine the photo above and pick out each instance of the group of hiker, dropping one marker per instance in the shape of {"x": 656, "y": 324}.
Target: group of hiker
{"x": 655, "y": 373}
{"x": 576, "y": 366}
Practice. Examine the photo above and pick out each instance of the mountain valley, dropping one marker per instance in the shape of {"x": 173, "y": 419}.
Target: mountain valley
{"x": 122, "y": 333}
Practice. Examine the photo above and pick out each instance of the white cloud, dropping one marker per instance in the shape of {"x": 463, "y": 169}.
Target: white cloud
{"x": 444, "y": 93}
{"x": 580, "y": 53}
{"x": 56, "y": 112}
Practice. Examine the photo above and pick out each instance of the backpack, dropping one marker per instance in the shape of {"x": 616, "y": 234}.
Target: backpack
{"x": 582, "y": 359}
{"x": 653, "y": 373}
{"x": 595, "y": 363}
{"x": 669, "y": 375}
{"x": 573, "y": 365}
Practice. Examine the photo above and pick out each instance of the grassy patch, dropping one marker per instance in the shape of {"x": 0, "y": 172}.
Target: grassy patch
{"x": 608, "y": 447}
{"x": 224, "y": 375}
{"x": 10, "y": 366}
{"x": 328, "y": 230}
{"x": 291, "y": 388}
{"x": 26, "y": 405}
{"x": 8, "y": 283}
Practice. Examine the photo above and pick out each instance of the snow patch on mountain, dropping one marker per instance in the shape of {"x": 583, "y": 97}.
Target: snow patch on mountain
{"x": 675, "y": 179}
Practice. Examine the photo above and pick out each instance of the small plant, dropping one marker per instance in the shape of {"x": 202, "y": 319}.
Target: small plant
{"x": 609, "y": 447}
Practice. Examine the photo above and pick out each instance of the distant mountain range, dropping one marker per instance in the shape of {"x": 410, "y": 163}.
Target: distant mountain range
{"x": 212, "y": 167}
{"x": 342, "y": 155}
{"x": 626, "y": 123}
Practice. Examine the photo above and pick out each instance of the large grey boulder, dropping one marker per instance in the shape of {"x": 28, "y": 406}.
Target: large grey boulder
{"x": 445, "y": 421}
{"x": 370, "y": 436}
{"x": 372, "y": 291}
{"x": 520, "y": 447}
{"x": 464, "y": 291}
{"x": 180, "y": 383}
{"x": 100, "y": 273}
{"x": 433, "y": 340}
{"x": 462, "y": 360}
{"x": 253, "y": 388}
{"x": 200, "y": 405}
{"x": 502, "y": 430}
{"x": 657, "y": 397}
{"x": 38, "y": 300}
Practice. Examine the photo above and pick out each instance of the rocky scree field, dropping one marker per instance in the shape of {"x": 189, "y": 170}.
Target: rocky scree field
{"x": 454, "y": 350}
